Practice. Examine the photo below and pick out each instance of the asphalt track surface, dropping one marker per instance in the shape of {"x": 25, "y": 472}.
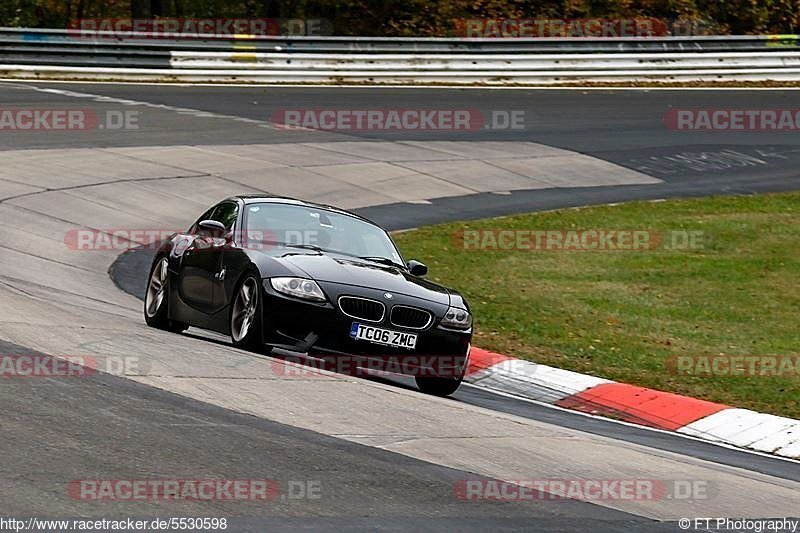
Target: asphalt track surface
{"x": 385, "y": 455}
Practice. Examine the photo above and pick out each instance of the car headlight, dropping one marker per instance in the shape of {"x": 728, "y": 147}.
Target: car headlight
{"x": 457, "y": 318}
{"x": 306, "y": 289}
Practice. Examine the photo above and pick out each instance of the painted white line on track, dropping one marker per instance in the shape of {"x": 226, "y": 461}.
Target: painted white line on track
{"x": 371, "y": 87}
{"x": 163, "y": 107}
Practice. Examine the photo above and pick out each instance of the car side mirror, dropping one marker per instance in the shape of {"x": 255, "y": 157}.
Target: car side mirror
{"x": 212, "y": 228}
{"x": 416, "y": 268}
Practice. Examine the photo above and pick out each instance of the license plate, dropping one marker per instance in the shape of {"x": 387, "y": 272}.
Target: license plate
{"x": 387, "y": 337}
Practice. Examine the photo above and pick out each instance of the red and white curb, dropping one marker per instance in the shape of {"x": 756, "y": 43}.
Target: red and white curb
{"x": 638, "y": 405}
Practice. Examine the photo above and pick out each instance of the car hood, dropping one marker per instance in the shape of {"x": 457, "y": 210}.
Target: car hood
{"x": 332, "y": 269}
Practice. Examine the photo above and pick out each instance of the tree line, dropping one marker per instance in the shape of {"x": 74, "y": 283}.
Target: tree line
{"x": 416, "y": 17}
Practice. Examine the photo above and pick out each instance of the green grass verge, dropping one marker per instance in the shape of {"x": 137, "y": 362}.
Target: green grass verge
{"x": 621, "y": 315}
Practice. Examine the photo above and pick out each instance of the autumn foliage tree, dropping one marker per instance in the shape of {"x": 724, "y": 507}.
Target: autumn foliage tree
{"x": 415, "y": 17}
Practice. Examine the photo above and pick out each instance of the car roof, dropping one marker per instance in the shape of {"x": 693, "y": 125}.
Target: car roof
{"x": 254, "y": 198}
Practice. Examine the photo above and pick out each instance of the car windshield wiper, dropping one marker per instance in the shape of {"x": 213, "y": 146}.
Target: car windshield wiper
{"x": 306, "y": 247}
{"x": 382, "y": 260}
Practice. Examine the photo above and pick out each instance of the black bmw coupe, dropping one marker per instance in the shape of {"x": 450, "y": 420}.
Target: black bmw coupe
{"x": 283, "y": 273}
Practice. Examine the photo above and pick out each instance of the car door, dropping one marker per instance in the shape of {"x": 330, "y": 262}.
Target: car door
{"x": 200, "y": 264}
{"x": 228, "y": 216}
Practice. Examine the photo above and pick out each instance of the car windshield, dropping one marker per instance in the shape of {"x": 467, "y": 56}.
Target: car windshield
{"x": 317, "y": 228}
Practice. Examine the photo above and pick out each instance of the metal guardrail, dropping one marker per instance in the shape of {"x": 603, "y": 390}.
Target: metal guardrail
{"x": 50, "y": 54}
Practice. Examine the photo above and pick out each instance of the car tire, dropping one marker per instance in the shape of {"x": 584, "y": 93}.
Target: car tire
{"x": 156, "y": 301}
{"x": 438, "y": 386}
{"x": 246, "y": 315}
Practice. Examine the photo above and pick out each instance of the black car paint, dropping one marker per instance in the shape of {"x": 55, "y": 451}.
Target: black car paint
{"x": 200, "y": 296}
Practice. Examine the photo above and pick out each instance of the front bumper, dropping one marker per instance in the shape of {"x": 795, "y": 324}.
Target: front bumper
{"x": 322, "y": 330}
